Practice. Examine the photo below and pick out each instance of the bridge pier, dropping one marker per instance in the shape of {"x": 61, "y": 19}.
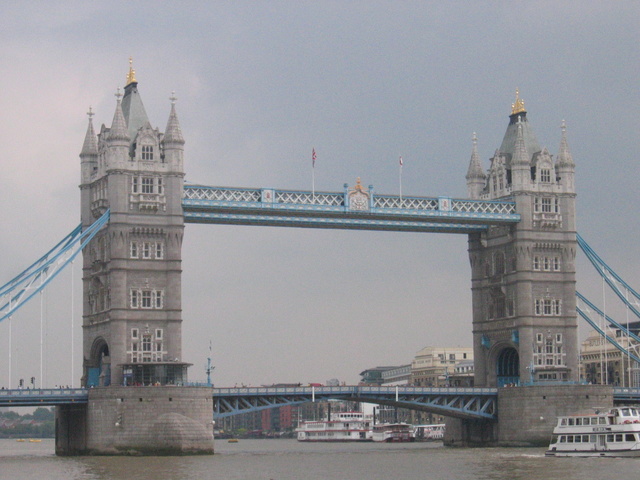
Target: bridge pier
{"x": 527, "y": 415}
{"x": 159, "y": 420}
{"x": 71, "y": 429}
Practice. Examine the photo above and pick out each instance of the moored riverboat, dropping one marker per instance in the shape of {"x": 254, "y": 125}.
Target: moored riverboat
{"x": 339, "y": 427}
{"x": 392, "y": 432}
{"x": 615, "y": 433}
{"x": 429, "y": 433}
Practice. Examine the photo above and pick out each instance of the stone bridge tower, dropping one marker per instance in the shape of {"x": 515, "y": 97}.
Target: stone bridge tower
{"x": 132, "y": 311}
{"x": 523, "y": 276}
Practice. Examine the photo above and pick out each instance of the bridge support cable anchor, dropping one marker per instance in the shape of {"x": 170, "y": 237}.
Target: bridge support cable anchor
{"x": 611, "y": 277}
{"x": 22, "y": 288}
{"x": 590, "y": 305}
{"x": 609, "y": 339}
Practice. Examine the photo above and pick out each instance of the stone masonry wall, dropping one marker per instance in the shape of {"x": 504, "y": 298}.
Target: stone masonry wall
{"x": 527, "y": 415}
{"x": 162, "y": 420}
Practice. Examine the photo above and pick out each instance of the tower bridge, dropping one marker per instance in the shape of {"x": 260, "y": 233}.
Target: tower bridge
{"x": 521, "y": 226}
{"x": 519, "y": 218}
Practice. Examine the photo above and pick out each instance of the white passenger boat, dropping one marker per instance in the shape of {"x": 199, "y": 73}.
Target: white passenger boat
{"x": 429, "y": 433}
{"x": 340, "y": 427}
{"x": 615, "y": 433}
{"x": 392, "y": 432}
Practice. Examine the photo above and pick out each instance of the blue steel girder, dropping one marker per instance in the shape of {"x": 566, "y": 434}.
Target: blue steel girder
{"x": 43, "y": 397}
{"x": 626, "y": 395}
{"x": 467, "y": 403}
{"x": 269, "y": 207}
{"x": 478, "y": 403}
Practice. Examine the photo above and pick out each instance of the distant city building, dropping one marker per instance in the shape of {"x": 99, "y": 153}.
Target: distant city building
{"x": 398, "y": 375}
{"x": 603, "y": 363}
{"x": 280, "y": 419}
{"x": 434, "y": 366}
{"x": 462, "y": 374}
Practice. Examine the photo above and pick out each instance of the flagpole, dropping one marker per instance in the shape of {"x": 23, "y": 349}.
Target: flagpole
{"x": 313, "y": 173}
{"x": 400, "y": 178}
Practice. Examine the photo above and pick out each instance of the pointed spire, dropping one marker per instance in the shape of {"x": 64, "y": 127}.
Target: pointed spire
{"x": 90, "y": 146}
{"x": 132, "y": 108}
{"x": 564, "y": 155}
{"x": 475, "y": 167}
{"x": 476, "y": 178}
{"x": 119, "y": 125}
{"x": 173, "y": 132}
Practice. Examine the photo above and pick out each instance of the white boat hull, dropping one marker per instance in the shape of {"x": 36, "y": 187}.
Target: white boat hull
{"x": 615, "y": 433}
{"x": 594, "y": 453}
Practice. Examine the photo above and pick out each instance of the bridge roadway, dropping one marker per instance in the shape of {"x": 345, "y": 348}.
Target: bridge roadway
{"x": 471, "y": 403}
{"x": 479, "y": 403}
{"x": 264, "y": 206}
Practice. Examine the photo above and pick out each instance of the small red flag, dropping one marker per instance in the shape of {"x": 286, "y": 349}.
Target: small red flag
{"x": 313, "y": 158}
{"x": 400, "y": 161}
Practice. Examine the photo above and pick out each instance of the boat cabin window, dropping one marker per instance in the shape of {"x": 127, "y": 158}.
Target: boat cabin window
{"x": 602, "y": 420}
{"x": 630, "y": 437}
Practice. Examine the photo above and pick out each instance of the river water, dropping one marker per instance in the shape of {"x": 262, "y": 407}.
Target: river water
{"x": 291, "y": 460}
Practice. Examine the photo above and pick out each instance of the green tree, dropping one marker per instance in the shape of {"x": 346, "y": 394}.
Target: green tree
{"x": 43, "y": 414}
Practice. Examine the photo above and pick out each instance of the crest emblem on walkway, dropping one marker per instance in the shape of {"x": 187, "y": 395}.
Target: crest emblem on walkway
{"x": 358, "y": 198}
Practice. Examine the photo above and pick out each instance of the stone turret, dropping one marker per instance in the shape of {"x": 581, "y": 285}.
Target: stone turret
{"x": 523, "y": 276}
{"x": 476, "y": 178}
{"x": 565, "y": 168}
{"x": 132, "y": 295}
{"x": 89, "y": 152}
{"x": 173, "y": 141}
{"x": 132, "y": 269}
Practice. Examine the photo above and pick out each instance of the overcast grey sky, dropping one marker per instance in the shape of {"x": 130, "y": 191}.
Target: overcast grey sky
{"x": 259, "y": 84}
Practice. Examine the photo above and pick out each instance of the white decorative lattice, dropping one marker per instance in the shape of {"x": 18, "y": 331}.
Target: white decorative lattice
{"x": 406, "y": 203}
{"x": 298, "y": 198}
{"x": 483, "y": 207}
{"x": 222, "y": 194}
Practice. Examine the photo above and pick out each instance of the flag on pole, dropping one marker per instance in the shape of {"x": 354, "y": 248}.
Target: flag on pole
{"x": 400, "y": 177}
{"x": 313, "y": 158}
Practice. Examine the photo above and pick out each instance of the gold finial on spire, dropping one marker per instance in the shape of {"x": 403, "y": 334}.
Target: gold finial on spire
{"x": 131, "y": 76}
{"x": 518, "y": 105}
